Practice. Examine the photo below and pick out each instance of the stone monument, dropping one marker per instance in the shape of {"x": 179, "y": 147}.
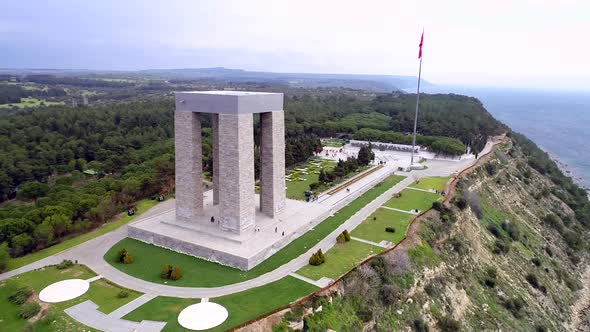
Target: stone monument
{"x": 230, "y": 224}
{"x": 233, "y": 155}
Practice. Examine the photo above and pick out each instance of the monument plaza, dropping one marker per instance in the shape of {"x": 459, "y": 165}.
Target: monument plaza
{"x": 231, "y": 223}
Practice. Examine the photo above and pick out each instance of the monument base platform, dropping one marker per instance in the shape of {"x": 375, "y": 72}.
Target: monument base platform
{"x": 204, "y": 239}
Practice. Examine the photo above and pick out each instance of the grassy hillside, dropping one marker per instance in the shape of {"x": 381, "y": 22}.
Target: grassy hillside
{"x": 507, "y": 254}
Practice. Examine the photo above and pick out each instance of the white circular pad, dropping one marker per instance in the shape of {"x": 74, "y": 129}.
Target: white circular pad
{"x": 202, "y": 316}
{"x": 64, "y": 290}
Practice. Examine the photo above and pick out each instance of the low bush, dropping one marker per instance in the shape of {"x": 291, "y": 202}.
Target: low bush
{"x": 29, "y": 310}
{"x": 448, "y": 324}
{"x": 123, "y": 294}
{"x": 501, "y": 247}
{"x": 512, "y": 230}
{"x": 20, "y": 296}
{"x": 128, "y": 259}
{"x": 461, "y": 203}
{"x": 176, "y": 273}
{"x": 390, "y": 229}
{"x": 166, "y": 271}
{"x": 419, "y": 325}
{"x": 66, "y": 263}
{"x": 123, "y": 256}
{"x": 533, "y": 280}
{"x": 346, "y": 235}
{"x": 494, "y": 230}
{"x": 317, "y": 258}
{"x": 438, "y": 206}
{"x": 536, "y": 261}
{"x": 515, "y": 306}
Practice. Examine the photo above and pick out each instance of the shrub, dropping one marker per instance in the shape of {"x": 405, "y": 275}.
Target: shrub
{"x": 317, "y": 258}
{"x": 448, "y": 324}
{"x": 473, "y": 201}
{"x": 540, "y": 328}
{"x": 166, "y": 271}
{"x": 419, "y": 325}
{"x": 66, "y": 263}
{"x": 492, "y": 228}
{"x": 512, "y": 230}
{"x": 346, "y": 235}
{"x": 21, "y": 295}
{"x": 491, "y": 168}
{"x": 389, "y": 294}
{"x": 29, "y": 310}
{"x": 533, "y": 280}
{"x": 501, "y": 247}
{"x": 390, "y": 229}
{"x": 461, "y": 203}
{"x": 340, "y": 238}
{"x": 536, "y": 261}
{"x": 176, "y": 273}
{"x": 121, "y": 255}
{"x": 515, "y": 306}
{"x": 128, "y": 259}
{"x": 438, "y": 206}
{"x": 123, "y": 294}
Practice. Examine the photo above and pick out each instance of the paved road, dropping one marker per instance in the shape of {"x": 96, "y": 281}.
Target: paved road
{"x": 91, "y": 252}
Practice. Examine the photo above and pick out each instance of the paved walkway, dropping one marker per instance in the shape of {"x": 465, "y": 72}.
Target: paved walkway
{"x": 382, "y": 244}
{"x": 91, "y": 252}
{"x": 424, "y": 190}
{"x": 399, "y": 210}
{"x": 87, "y": 314}
{"x": 321, "y": 283}
{"x": 129, "y": 307}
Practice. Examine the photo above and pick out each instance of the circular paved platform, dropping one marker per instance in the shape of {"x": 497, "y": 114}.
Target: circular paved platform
{"x": 202, "y": 316}
{"x": 64, "y": 290}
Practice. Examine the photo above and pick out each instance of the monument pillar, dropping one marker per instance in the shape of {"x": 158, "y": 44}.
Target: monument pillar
{"x": 215, "y": 148}
{"x": 236, "y": 172}
{"x": 189, "y": 159}
{"x": 272, "y": 160}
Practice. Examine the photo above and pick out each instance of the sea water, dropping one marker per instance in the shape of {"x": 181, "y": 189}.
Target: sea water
{"x": 558, "y": 121}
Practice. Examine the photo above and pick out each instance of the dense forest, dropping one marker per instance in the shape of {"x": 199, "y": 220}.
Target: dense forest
{"x": 447, "y": 122}
{"x": 66, "y": 170}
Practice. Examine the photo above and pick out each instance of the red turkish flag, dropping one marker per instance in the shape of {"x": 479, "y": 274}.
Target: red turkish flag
{"x": 421, "y": 42}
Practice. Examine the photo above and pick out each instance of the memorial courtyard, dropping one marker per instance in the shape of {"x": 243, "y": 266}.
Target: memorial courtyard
{"x": 214, "y": 259}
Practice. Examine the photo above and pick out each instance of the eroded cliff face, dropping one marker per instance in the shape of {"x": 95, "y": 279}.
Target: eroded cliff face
{"x": 505, "y": 254}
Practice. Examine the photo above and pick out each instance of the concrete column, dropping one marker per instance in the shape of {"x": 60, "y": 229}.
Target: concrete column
{"x": 189, "y": 168}
{"x": 272, "y": 160}
{"x": 236, "y": 172}
{"x": 215, "y": 143}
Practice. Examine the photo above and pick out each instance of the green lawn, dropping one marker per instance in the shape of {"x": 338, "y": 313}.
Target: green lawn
{"x": 101, "y": 292}
{"x": 242, "y": 307}
{"x": 437, "y": 183}
{"x": 413, "y": 199}
{"x": 340, "y": 259}
{"x": 374, "y": 229}
{"x": 298, "y": 183}
{"x": 334, "y": 142}
{"x": 142, "y": 206}
{"x": 150, "y": 259}
{"x": 31, "y": 102}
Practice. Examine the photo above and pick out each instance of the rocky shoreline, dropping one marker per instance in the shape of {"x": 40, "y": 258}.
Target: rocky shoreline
{"x": 568, "y": 171}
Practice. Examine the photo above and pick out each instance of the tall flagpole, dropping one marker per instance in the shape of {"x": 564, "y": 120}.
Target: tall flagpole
{"x": 417, "y": 104}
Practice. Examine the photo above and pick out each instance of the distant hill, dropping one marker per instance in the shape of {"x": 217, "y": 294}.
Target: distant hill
{"x": 373, "y": 83}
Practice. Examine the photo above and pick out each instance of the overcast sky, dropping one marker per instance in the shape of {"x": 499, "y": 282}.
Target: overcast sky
{"x": 538, "y": 44}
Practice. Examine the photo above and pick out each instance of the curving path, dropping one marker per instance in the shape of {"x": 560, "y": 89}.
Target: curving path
{"x": 91, "y": 252}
